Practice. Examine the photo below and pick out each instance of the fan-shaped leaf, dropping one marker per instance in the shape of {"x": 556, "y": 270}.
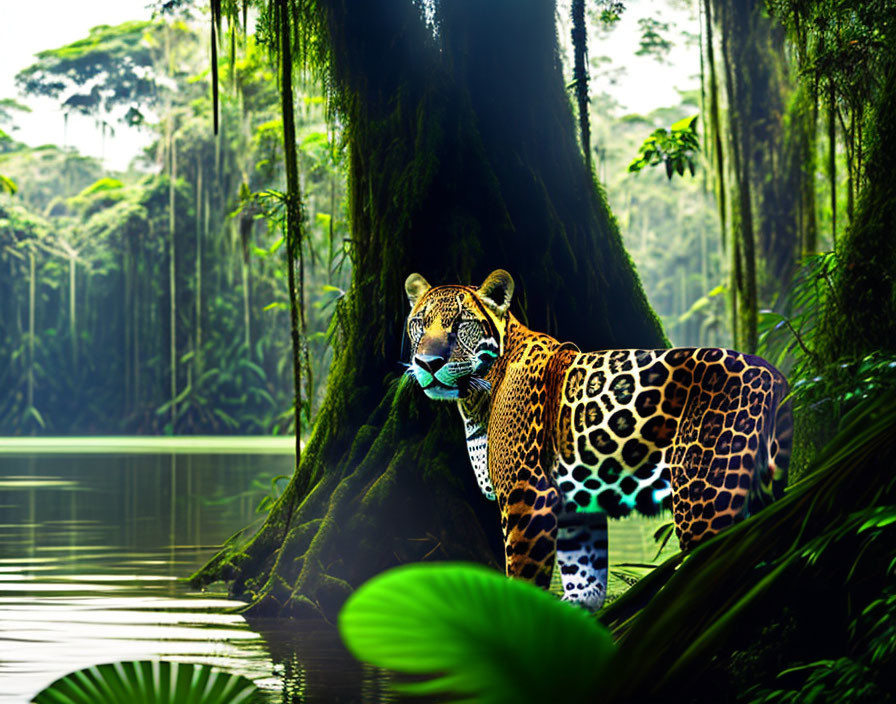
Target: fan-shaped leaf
{"x": 476, "y": 634}
{"x": 150, "y": 682}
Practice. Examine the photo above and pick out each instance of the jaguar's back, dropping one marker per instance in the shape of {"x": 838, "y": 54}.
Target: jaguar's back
{"x": 708, "y": 427}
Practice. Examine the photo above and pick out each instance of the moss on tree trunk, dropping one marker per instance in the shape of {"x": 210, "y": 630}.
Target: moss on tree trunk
{"x": 463, "y": 158}
{"x": 862, "y": 312}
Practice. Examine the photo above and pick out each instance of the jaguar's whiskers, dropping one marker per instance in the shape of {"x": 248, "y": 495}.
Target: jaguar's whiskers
{"x": 479, "y": 384}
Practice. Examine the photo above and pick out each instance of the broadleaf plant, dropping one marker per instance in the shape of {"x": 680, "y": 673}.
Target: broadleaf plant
{"x": 474, "y": 634}
{"x": 677, "y": 148}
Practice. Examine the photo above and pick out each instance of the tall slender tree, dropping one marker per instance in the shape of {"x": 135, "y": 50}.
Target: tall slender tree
{"x": 282, "y": 13}
{"x": 770, "y": 149}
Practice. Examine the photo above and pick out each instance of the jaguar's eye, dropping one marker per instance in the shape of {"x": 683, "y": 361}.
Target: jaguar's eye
{"x": 415, "y": 329}
{"x": 469, "y": 332}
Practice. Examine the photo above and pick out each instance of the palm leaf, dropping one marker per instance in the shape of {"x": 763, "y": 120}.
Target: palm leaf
{"x": 150, "y": 682}
{"x": 7, "y": 185}
{"x": 475, "y": 634}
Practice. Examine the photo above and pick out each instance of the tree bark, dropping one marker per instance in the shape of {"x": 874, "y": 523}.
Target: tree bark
{"x": 715, "y": 122}
{"x": 860, "y": 317}
{"x": 463, "y": 158}
{"x": 743, "y": 267}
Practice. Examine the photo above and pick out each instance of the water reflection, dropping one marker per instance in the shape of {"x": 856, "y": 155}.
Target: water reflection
{"x": 91, "y": 549}
{"x": 93, "y": 546}
{"x": 313, "y": 665}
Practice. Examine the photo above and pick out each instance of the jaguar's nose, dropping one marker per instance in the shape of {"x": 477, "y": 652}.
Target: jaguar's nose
{"x": 430, "y": 362}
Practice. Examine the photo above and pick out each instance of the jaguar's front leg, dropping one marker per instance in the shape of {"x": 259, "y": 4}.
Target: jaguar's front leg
{"x": 582, "y": 558}
{"x": 529, "y": 513}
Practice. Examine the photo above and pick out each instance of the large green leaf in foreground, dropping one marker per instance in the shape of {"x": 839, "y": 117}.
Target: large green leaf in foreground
{"x": 477, "y": 634}
{"x": 150, "y": 682}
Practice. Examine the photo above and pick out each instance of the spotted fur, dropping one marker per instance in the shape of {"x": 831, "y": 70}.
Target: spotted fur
{"x": 564, "y": 439}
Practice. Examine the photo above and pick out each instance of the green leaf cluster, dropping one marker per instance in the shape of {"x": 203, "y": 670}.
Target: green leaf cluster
{"x": 611, "y": 12}
{"x": 677, "y": 148}
{"x": 793, "y": 340}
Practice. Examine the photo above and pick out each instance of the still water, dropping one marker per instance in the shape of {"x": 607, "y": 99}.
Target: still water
{"x": 95, "y": 536}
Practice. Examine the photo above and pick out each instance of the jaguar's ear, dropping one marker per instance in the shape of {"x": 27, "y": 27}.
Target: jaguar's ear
{"x": 496, "y": 292}
{"x": 415, "y": 286}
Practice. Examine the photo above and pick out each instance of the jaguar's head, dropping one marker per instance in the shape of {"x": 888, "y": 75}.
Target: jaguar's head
{"x": 456, "y": 333}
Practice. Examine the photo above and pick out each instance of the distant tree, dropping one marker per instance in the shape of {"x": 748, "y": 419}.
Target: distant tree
{"x": 22, "y": 237}
{"x": 653, "y": 43}
{"x": 8, "y": 107}
{"x": 113, "y": 69}
{"x": 103, "y": 280}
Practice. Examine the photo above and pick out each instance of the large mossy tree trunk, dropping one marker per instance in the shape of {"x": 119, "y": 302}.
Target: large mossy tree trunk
{"x": 463, "y": 158}
{"x": 861, "y": 315}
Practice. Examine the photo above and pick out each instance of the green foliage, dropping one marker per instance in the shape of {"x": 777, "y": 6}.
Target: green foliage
{"x": 8, "y": 107}
{"x": 784, "y": 336}
{"x": 610, "y": 12}
{"x": 652, "y": 41}
{"x": 49, "y": 175}
{"x": 473, "y": 633}
{"x": 100, "y": 195}
{"x": 794, "y": 341}
{"x": 275, "y": 491}
{"x": 7, "y": 185}
{"x": 150, "y": 682}
{"x": 827, "y": 682}
{"x": 102, "y": 185}
{"x": 845, "y": 50}
{"x": 845, "y": 44}
{"x": 865, "y": 676}
{"x": 100, "y": 362}
{"x": 849, "y": 382}
{"x": 678, "y": 148}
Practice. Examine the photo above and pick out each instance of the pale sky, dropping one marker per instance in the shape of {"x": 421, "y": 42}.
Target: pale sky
{"x": 647, "y": 84}
{"x": 29, "y": 26}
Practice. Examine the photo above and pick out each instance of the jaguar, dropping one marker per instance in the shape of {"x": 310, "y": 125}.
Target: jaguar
{"x": 564, "y": 439}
